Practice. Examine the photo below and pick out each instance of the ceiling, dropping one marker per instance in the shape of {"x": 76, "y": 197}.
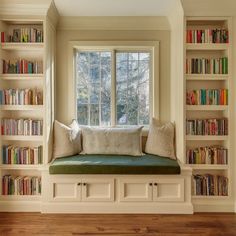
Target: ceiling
{"x": 114, "y": 7}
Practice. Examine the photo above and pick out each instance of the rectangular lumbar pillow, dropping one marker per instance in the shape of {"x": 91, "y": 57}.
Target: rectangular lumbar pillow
{"x": 67, "y": 139}
{"x": 160, "y": 139}
{"x": 116, "y": 141}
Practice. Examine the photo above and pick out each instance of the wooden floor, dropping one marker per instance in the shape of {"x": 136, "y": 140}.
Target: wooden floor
{"x": 17, "y": 224}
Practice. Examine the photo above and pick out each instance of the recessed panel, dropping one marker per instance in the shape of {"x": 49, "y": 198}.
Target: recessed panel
{"x": 65, "y": 190}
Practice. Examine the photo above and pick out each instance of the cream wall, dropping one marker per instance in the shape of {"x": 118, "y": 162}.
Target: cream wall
{"x": 64, "y": 36}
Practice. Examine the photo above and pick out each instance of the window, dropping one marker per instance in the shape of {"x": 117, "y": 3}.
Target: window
{"x": 114, "y": 85}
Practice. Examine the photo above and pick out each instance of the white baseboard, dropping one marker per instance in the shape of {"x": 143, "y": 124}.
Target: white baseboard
{"x": 20, "y": 206}
{"x": 177, "y": 208}
{"x": 200, "y": 207}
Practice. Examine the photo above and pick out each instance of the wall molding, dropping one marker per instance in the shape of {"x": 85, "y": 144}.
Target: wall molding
{"x": 113, "y": 23}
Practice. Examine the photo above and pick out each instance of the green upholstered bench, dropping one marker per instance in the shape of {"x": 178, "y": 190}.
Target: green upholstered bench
{"x": 114, "y": 164}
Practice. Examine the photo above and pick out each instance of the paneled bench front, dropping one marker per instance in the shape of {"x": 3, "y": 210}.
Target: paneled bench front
{"x": 116, "y": 184}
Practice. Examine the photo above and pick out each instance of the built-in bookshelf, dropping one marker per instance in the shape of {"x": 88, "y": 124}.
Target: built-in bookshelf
{"x": 22, "y": 106}
{"x": 208, "y": 108}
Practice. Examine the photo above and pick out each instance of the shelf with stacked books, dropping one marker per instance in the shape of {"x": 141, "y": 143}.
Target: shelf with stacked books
{"x": 21, "y": 167}
{"x": 22, "y": 46}
{"x": 209, "y": 167}
{"x": 206, "y": 137}
{"x": 20, "y": 77}
{"x": 21, "y": 107}
{"x": 208, "y": 108}
{"x": 22, "y": 137}
{"x": 29, "y": 138}
{"x": 20, "y": 197}
{"x": 206, "y": 46}
{"x": 206, "y": 77}
{"x": 202, "y": 197}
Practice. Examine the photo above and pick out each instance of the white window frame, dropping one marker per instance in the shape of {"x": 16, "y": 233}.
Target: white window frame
{"x": 113, "y": 46}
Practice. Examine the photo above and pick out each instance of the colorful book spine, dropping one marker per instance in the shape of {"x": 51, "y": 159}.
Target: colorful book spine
{"x": 21, "y": 127}
{"x": 207, "y": 36}
{"x": 207, "y": 65}
{"x": 21, "y": 155}
{"x": 21, "y": 185}
{"x": 23, "y": 35}
{"x": 207, "y": 127}
{"x": 21, "y": 97}
{"x": 210, "y": 185}
{"x": 207, "y": 97}
{"x": 3, "y": 37}
{"x": 22, "y": 66}
{"x": 207, "y": 155}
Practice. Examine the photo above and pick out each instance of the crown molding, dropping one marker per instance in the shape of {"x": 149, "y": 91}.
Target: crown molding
{"x": 53, "y": 14}
{"x": 113, "y": 23}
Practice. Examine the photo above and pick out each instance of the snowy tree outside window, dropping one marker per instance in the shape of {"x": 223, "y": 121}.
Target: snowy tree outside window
{"x": 131, "y": 77}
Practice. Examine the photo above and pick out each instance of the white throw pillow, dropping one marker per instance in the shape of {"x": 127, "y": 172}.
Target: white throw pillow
{"x": 67, "y": 139}
{"x": 115, "y": 141}
{"x": 160, "y": 139}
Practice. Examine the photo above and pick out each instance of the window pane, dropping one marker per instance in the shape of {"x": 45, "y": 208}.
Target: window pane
{"x": 94, "y": 114}
{"x": 82, "y": 114}
{"x": 132, "y": 88}
{"x": 93, "y": 79}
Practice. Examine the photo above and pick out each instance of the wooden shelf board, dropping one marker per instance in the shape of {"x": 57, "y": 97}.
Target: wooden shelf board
{"x": 206, "y": 107}
{"x": 21, "y": 107}
{"x": 209, "y": 197}
{"x": 22, "y": 76}
{"x": 207, "y": 46}
{"x": 208, "y": 77}
{"x": 22, "y": 46}
{"x": 22, "y": 138}
{"x": 206, "y": 137}
{"x": 20, "y": 197}
{"x": 208, "y": 167}
{"x": 20, "y": 167}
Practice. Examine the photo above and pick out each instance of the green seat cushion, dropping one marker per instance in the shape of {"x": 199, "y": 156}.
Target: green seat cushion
{"x": 112, "y": 164}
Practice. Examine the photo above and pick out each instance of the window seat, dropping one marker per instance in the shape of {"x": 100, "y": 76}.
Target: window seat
{"x": 115, "y": 164}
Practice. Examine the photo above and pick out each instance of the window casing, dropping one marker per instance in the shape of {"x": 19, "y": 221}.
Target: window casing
{"x": 126, "y": 54}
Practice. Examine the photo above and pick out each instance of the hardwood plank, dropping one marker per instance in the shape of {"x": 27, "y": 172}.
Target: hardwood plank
{"x": 14, "y": 224}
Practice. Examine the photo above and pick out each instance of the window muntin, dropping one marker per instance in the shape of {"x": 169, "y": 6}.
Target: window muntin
{"x": 94, "y": 88}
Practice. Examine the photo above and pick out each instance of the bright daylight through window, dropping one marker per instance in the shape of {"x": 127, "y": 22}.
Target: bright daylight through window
{"x": 97, "y": 84}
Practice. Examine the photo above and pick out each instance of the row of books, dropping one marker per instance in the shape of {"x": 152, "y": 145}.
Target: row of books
{"x": 207, "y": 65}
{"x": 23, "y": 35}
{"x": 22, "y": 66}
{"x": 207, "y": 126}
{"x": 21, "y": 127}
{"x": 22, "y": 155}
{"x": 21, "y": 185}
{"x": 210, "y": 185}
{"x": 207, "y": 36}
{"x": 207, "y": 97}
{"x": 21, "y": 97}
{"x": 207, "y": 155}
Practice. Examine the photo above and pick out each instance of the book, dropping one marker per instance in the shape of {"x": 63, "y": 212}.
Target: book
{"x": 207, "y": 97}
{"x": 207, "y": 36}
{"x": 207, "y": 126}
{"x": 207, "y": 65}
{"x": 210, "y": 185}
{"x": 21, "y": 97}
{"x": 207, "y": 155}
{"x": 21, "y": 185}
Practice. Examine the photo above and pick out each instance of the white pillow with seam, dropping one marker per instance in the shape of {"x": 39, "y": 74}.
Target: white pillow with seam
{"x": 113, "y": 141}
{"x": 160, "y": 140}
{"x": 67, "y": 140}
